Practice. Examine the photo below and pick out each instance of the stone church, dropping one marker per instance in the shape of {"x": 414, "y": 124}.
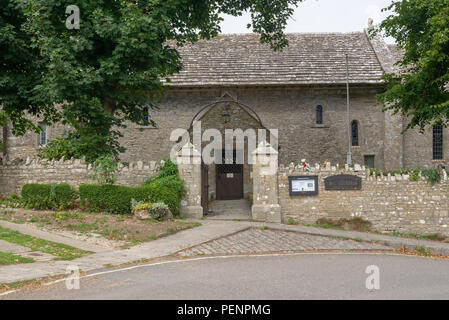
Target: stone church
{"x": 233, "y": 81}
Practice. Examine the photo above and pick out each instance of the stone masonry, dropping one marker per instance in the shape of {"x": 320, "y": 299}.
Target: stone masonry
{"x": 254, "y": 241}
{"x": 390, "y": 203}
{"x": 72, "y": 171}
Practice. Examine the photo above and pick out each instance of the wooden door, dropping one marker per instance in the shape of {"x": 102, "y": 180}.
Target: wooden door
{"x": 229, "y": 181}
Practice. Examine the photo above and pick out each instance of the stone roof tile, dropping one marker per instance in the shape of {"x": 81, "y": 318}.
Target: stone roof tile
{"x": 310, "y": 58}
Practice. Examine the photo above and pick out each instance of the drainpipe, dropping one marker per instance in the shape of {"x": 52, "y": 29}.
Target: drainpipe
{"x": 349, "y": 155}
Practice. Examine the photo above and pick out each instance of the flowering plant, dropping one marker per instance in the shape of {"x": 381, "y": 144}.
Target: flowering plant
{"x": 105, "y": 169}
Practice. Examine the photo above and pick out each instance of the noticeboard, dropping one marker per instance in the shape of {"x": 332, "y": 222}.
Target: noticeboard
{"x": 303, "y": 185}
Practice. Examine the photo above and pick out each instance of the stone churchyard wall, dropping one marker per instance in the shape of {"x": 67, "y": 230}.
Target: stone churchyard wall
{"x": 390, "y": 203}
{"x": 73, "y": 172}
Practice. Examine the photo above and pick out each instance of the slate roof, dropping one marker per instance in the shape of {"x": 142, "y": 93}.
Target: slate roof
{"x": 310, "y": 58}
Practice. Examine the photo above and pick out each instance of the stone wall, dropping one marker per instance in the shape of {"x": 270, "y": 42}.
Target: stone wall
{"x": 390, "y": 203}
{"x": 289, "y": 109}
{"x": 73, "y": 172}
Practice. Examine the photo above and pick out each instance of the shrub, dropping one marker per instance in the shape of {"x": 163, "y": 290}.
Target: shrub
{"x": 105, "y": 169}
{"x": 159, "y": 211}
{"x": 48, "y": 196}
{"x": 64, "y": 194}
{"x": 167, "y": 187}
{"x": 12, "y": 201}
{"x": 58, "y": 148}
{"x": 168, "y": 169}
{"x": 414, "y": 175}
{"x": 168, "y": 190}
{"x": 112, "y": 198}
{"x": 432, "y": 175}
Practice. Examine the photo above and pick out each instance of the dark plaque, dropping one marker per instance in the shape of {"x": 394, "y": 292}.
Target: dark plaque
{"x": 303, "y": 185}
{"x": 343, "y": 182}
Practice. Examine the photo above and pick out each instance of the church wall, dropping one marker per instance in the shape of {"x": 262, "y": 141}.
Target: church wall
{"x": 291, "y": 111}
{"x": 390, "y": 203}
{"x": 418, "y": 150}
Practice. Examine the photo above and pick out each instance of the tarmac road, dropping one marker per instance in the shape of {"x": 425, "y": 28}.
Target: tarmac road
{"x": 296, "y": 276}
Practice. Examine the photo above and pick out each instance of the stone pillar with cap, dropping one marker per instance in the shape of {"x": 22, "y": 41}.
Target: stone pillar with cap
{"x": 189, "y": 168}
{"x": 265, "y": 183}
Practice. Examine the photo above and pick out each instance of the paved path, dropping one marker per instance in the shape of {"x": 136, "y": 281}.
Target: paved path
{"x": 300, "y": 276}
{"x": 253, "y": 240}
{"x": 209, "y": 231}
{"x": 154, "y": 249}
{"x": 26, "y": 252}
{"x": 9, "y": 247}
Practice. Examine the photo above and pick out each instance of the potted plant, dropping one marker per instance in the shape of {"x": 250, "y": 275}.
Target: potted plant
{"x": 141, "y": 210}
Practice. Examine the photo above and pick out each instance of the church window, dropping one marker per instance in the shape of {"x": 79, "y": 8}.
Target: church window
{"x": 319, "y": 115}
{"x": 43, "y": 134}
{"x": 145, "y": 115}
{"x": 354, "y": 133}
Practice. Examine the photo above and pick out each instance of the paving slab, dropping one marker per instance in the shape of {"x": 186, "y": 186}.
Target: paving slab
{"x": 254, "y": 241}
{"x": 9, "y": 247}
{"x": 434, "y": 247}
{"x": 35, "y": 232}
{"x": 38, "y": 256}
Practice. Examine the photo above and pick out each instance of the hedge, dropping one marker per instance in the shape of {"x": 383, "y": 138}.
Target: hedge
{"x": 111, "y": 198}
{"x": 166, "y": 186}
{"x": 117, "y": 199}
{"x": 48, "y": 196}
{"x": 168, "y": 190}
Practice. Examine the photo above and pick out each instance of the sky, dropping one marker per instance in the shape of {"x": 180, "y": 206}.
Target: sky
{"x": 322, "y": 16}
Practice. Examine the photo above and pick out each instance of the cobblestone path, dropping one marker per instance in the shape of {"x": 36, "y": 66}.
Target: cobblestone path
{"x": 254, "y": 240}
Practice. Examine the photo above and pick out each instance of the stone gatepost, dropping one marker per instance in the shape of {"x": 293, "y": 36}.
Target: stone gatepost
{"x": 189, "y": 167}
{"x": 265, "y": 184}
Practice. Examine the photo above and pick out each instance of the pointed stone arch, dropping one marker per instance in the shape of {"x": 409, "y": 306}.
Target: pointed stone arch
{"x": 223, "y": 114}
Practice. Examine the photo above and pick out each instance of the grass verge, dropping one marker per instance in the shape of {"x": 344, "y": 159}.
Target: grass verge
{"x": 9, "y": 258}
{"x": 61, "y": 251}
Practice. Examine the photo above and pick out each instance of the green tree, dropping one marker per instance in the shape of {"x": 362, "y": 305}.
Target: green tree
{"x": 20, "y": 72}
{"x": 106, "y": 72}
{"x": 420, "y": 90}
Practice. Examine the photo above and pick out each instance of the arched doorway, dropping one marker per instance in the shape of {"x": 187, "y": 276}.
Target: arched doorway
{"x": 229, "y": 176}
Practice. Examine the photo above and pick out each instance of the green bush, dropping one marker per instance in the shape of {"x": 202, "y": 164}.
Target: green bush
{"x": 64, "y": 194}
{"x": 112, "y": 198}
{"x": 48, "y": 196}
{"x": 105, "y": 169}
{"x": 160, "y": 211}
{"x": 57, "y": 148}
{"x": 12, "y": 201}
{"x": 168, "y": 169}
{"x": 432, "y": 175}
{"x": 167, "y": 187}
{"x": 169, "y": 190}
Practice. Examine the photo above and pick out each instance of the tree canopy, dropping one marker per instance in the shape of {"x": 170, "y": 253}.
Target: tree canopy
{"x": 420, "y": 90}
{"x": 105, "y": 73}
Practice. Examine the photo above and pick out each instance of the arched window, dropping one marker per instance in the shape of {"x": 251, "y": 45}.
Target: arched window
{"x": 319, "y": 115}
{"x": 42, "y": 134}
{"x": 145, "y": 115}
{"x": 354, "y": 133}
{"x": 437, "y": 142}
